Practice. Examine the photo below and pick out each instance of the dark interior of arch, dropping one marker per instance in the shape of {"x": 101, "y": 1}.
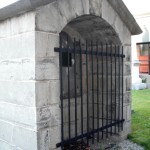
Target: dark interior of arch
{"x": 94, "y": 28}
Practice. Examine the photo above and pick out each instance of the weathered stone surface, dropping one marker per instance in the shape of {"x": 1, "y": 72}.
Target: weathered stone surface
{"x": 51, "y": 23}
{"x": 127, "y": 68}
{"x": 123, "y": 12}
{"x": 49, "y": 114}
{"x": 55, "y": 137}
{"x": 34, "y": 105}
{"x": 128, "y": 112}
{"x": 123, "y": 32}
{"x": 128, "y": 83}
{"x": 25, "y": 116}
{"x": 44, "y": 139}
{"x": 47, "y": 68}
{"x": 5, "y": 146}
{"x": 107, "y": 9}
{"x": 127, "y": 97}
{"x": 6, "y": 131}
{"x": 45, "y": 44}
{"x": 47, "y": 93}
{"x": 126, "y": 130}
{"x": 17, "y": 69}
{"x": 24, "y": 138}
{"x": 95, "y": 7}
{"x": 18, "y": 46}
{"x": 127, "y": 52}
{"x": 20, "y": 24}
{"x": 21, "y": 93}
{"x": 74, "y": 8}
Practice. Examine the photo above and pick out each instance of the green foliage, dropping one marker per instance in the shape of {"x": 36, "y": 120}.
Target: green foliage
{"x": 141, "y": 118}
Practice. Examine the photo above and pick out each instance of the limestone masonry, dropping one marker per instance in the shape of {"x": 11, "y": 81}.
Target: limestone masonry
{"x": 30, "y": 117}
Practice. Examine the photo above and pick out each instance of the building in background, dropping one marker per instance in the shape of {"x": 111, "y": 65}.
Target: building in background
{"x": 140, "y": 44}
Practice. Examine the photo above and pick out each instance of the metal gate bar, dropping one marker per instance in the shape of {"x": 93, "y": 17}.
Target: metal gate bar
{"x": 109, "y": 55}
{"x": 88, "y": 52}
{"x": 87, "y": 134}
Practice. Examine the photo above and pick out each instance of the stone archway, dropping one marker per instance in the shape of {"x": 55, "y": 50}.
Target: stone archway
{"x": 87, "y": 20}
{"x": 30, "y": 63}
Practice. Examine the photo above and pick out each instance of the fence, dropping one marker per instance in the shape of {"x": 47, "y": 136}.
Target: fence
{"x": 91, "y": 87}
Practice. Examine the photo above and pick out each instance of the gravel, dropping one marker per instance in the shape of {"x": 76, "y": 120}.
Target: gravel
{"x": 124, "y": 145}
{"x": 127, "y": 145}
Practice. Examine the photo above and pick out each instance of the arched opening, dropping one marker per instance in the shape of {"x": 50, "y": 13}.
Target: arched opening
{"x": 90, "y": 27}
{"x": 91, "y": 76}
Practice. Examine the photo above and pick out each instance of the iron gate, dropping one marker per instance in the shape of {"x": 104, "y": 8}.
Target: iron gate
{"x": 91, "y": 86}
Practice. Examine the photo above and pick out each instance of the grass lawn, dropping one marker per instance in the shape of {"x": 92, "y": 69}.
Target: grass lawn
{"x": 141, "y": 118}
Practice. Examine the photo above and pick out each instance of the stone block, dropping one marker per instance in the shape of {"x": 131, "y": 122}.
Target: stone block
{"x": 23, "y": 23}
{"x": 17, "y": 69}
{"x": 127, "y": 97}
{"x": 47, "y": 69}
{"x": 47, "y": 93}
{"x": 48, "y": 18}
{"x": 55, "y": 136}
{"x": 95, "y": 7}
{"x": 21, "y": 93}
{"x": 18, "y": 46}
{"x": 128, "y": 112}
{"x": 125, "y": 113}
{"x": 74, "y": 8}
{"x": 128, "y": 83}
{"x": 5, "y": 28}
{"x": 123, "y": 32}
{"x": 16, "y": 25}
{"x": 126, "y": 129}
{"x": 5, "y": 146}
{"x": 25, "y": 116}
{"x": 24, "y": 138}
{"x": 43, "y": 137}
{"x": 127, "y": 68}
{"x": 45, "y": 44}
{"x": 50, "y": 115}
{"x": 107, "y": 9}
{"x": 6, "y": 131}
{"x": 127, "y": 52}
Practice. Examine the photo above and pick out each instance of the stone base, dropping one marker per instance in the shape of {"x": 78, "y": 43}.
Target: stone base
{"x": 147, "y": 76}
{"x": 139, "y": 86}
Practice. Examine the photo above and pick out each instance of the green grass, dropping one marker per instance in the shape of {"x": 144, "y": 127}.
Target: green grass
{"x": 141, "y": 118}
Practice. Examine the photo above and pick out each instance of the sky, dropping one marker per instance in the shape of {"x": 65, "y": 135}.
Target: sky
{"x": 138, "y": 7}
{"x": 4, "y": 3}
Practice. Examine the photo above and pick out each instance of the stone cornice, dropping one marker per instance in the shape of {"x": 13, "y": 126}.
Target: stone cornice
{"x": 126, "y": 16}
{"x": 22, "y": 6}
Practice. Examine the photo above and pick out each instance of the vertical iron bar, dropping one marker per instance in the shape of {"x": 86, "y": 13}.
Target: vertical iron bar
{"x": 61, "y": 92}
{"x": 92, "y": 91}
{"x": 81, "y": 92}
{"x": 111, "y": 87}
{"x": 102, "y": 90}
{"x": 69, "y": 116}
{"x": 122, "y": 85}
{"x": 87, "y": 88}
{"x": 97, "y": 91}
{"x": 107, "y": 89}
{"x": 118, "y": 88}
{"x": 115, "y": 86}
{"x": 75, "y": 87}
